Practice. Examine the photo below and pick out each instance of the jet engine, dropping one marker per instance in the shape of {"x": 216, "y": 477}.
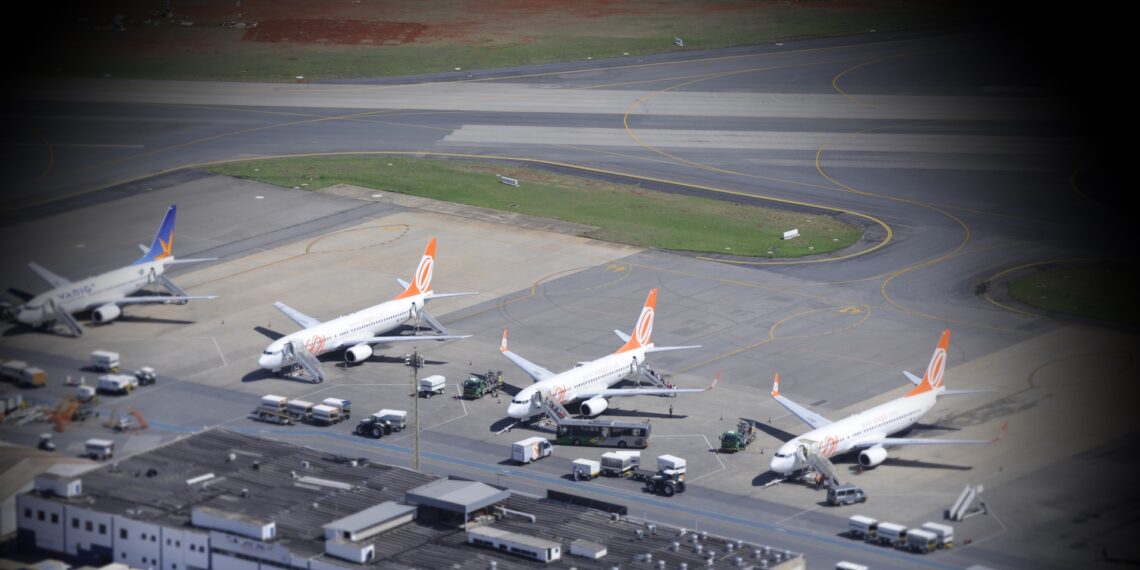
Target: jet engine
{"x": 358, "y": 353}
{"x": 872, "y": 456}
{"x": 106, "y": 313}
{"x": 594, "y": 406}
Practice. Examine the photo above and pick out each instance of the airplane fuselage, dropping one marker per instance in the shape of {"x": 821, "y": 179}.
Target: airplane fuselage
{"x": 578, "y": 382}
{"x": 91, "y": 292}
{"x": 846, "y": 434}
{"x": 339, "y": 332}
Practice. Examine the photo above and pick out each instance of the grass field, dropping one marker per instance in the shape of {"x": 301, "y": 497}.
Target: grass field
{"x": 623, "y": 213}
{"x": 1092, "y": 290}
{"x": 372, "y": 38}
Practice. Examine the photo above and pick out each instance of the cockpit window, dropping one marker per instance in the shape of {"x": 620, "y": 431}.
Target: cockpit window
{"x": 520, "y": 401}
{"x": 778, "y": 454}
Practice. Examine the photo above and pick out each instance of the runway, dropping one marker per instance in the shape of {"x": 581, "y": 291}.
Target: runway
{"x": 956, "y": 179}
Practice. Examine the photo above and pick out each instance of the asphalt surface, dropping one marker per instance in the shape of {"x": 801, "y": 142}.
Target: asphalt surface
{"x": 961, "y": 171}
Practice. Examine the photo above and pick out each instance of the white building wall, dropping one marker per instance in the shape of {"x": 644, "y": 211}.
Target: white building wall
{"x": 87, "y": 528}
{"x": 324, "y": 563}
{"x": 197, "y": 549}
{"x": 223, "y": 562}
{"x": 141, "y": 547}
{"x": 173, "y": 549}
{"x": 44, "y": 518}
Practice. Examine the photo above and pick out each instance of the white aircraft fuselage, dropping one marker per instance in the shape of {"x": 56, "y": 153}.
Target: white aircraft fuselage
{"x": 342, "y": 331}
{"x": 587, "y": 379}
{"x": 92, "y": 292}
{"x": 843, "y": 435}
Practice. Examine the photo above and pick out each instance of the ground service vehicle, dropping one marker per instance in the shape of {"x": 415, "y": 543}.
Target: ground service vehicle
{"x": 920, "y": 541}
{"x": 345, "y": 406}
{"x": 620, "y": 463}
{"x": 299, "y": 409}
{"x": 944, "y": 532}
{"x": 13, "y": 369}
{"x": 891, "y": 533}
{"x": 117, "y": 383}
{"x": 478, "y": 385}
{"x": 432, "y": 385}
{"x": 530, "y": 449}
{"x": 146, "y": 376}
{"x": 585, "y": 469}
{"x": 668, "y": 479}
{"x": 99, "y": 449}
{"x": 325, "y": 415}
{"x": 105, "y": 360}
{"x": 604, "y": 433}
{"x": 838, "y": 495}
{"x": 32, "y": 377}
{"x": 737, "y": 440}
{"x": 863, "y": 528}
{"x": 381, "y": 423}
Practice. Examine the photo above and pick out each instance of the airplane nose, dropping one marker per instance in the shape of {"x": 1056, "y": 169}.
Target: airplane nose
{"x": 517, "y": 411}
{"x": 780, "y": 465}
{"x": 29, "y": 316}
{"x": 266, "y": 361}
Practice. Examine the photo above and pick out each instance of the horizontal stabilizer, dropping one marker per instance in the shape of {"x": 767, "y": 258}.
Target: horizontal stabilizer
{"x": 624, "y": 337}
{"x": 435, "y": 295}
{"x": 667, "y": 348}
{"x": 913, "y": 379}
{"x": 403, "y": 284}
{"x": 191, "y": 260}
{"x": 964, "y": 392}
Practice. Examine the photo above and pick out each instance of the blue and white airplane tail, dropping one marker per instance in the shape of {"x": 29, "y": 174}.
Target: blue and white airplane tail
{"x": 163, "y": 245}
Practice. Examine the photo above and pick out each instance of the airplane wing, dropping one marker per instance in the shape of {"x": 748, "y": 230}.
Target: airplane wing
{"x": 620, "y": 392}
{"x": 625, "y": 338}
{"x": 536, "y": 372}
{"x": 896, "y": 441}
{"x": 149, "y": 300}
{"x": 51, "y": 278}
{"x": 811, "y": 418}
{"x": 405, "y": 338}
{"x": 298, "y": 317}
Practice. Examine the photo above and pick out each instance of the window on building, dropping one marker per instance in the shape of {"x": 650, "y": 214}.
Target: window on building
{"x": 74, "y": 522}
{"x": 154, "y": 538}
{"x": 54, "y": 518}
{"x": 168, "y": 542}
{"x": 87, "y": 526}
{"x": 40, "y": 515}
{"x": 178, "y": 544}
{"x": 142, "y": 535}
{"x": 27, "y": 513}
{"x": 123, "y": 533}
{"x": 102, "y": 528}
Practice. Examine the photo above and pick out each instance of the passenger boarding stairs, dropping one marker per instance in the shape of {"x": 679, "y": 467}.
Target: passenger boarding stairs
{"x": 305, "y": 360}
{"x": 554, "y": 410}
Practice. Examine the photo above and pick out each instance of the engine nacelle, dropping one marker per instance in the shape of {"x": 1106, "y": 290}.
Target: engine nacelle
{"x": 106, "y": 313}
{"x": 593, "y": 407}
{"x": 358, "y": 353}
{"x": 873, "y": 456}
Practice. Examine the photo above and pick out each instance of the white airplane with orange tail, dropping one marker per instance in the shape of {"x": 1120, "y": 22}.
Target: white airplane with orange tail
{"x": 591, "y": 381}
{"x": 357, "y": 332}
{"x": 869, "y": 430}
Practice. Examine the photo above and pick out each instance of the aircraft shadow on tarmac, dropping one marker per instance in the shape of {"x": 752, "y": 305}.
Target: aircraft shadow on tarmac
{"x": 771, "y": 430}
{"x": 154, "y": 320}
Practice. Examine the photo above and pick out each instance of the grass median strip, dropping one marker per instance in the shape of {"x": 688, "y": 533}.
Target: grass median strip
{"x": 1096, "y": 290}
{"x": 622, "y": 213}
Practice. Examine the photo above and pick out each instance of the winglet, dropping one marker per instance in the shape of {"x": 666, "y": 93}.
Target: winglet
{"x": 642, "y": 336}
{"x": 503, "y": 345}
{"x": 776, "y": 386}
{"x": 932, "y": 380}
{"x": 715, "y": 380}
{"x": 162, "y": 247}
{"x": 421, "y": 282}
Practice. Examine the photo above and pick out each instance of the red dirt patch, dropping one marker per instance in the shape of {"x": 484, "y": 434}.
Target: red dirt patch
{"x": 346, "y": 32}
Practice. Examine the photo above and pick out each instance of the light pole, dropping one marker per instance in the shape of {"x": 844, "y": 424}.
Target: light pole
{"x": 415, "y": 360}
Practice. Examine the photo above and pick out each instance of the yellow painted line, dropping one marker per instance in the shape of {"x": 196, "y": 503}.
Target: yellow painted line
{"x": 838, "y": 76}
{"x": 772, "y": 336}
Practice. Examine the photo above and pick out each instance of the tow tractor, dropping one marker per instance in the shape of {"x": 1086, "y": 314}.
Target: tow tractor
{"x": 669, "y": 478}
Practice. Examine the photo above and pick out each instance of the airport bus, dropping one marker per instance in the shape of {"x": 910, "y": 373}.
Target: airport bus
{"x": 603, "y": 433}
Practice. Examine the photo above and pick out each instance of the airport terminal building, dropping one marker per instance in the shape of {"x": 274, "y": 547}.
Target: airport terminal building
{"x": 222, "y": 500}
